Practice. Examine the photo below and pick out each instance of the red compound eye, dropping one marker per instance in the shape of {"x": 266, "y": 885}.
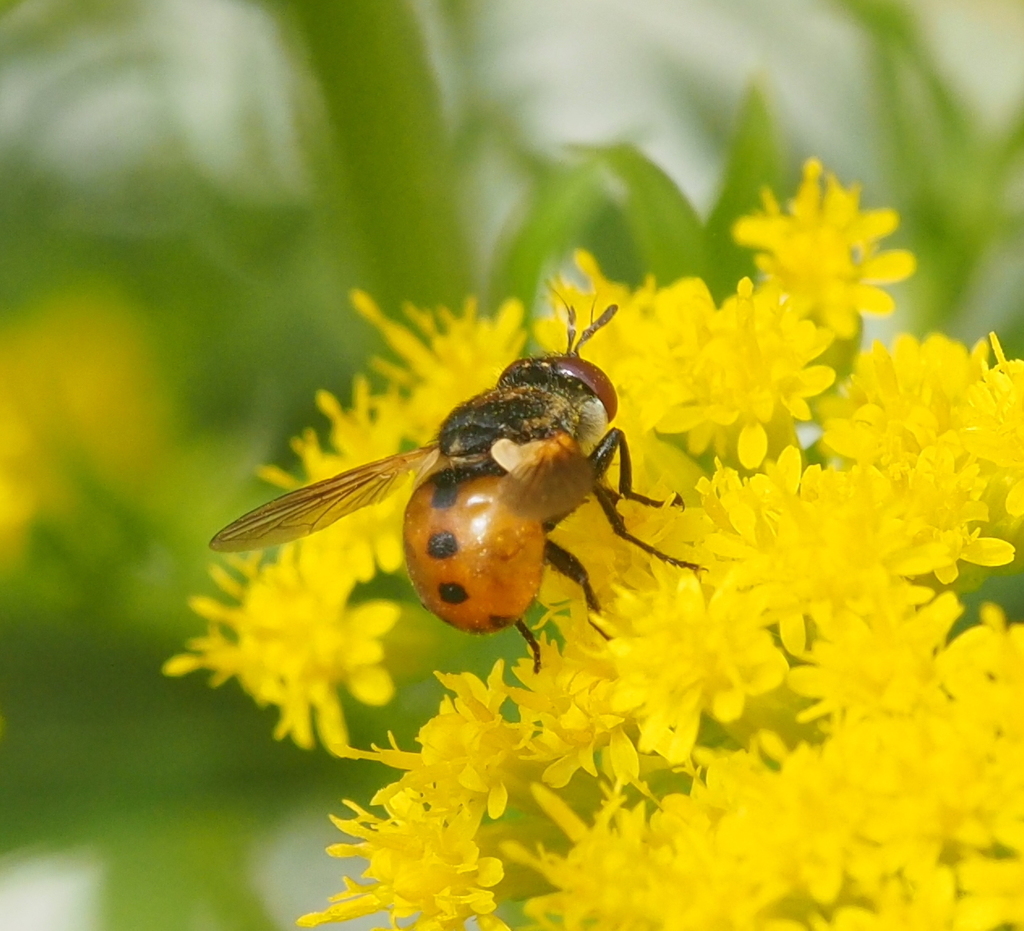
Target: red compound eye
{"x": 593, "y": 378}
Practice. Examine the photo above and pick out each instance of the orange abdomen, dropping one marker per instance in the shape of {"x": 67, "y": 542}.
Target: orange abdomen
{"x": 473, "y": 562}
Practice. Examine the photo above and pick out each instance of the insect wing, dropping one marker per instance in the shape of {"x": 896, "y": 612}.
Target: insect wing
{"x": 546, "y": 478}
{"x": 306, "y": 510}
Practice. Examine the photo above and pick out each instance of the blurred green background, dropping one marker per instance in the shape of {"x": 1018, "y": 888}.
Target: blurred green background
{"x": 188, "y": 190}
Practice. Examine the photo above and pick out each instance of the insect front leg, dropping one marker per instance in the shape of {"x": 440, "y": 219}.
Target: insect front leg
{"x": 601, "y": 458}
{"x": 606, "y": 498}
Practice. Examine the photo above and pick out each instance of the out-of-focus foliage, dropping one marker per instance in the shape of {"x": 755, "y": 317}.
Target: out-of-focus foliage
{"x": 188, "y": 191}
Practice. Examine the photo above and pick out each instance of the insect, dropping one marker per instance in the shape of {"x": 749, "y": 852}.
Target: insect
{"x": 506, "y": 467}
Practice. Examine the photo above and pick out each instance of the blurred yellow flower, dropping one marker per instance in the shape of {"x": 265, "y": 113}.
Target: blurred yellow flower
{"x": 78, "y": 400}
{"x": 17, "y": 495}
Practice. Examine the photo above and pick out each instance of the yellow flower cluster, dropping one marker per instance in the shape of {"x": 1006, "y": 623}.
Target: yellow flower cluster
{"x": 734, "y": 379}
{"x": 823, "y": 253}
{"x": 944, "y": 429}
{"x": 289, "y": 632}
{"x": 787, "y": 739}
{"x": 899, "y": 819}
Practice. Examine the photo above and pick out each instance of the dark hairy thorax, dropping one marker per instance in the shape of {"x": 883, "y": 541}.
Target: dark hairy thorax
{"x": 520, "y": 413}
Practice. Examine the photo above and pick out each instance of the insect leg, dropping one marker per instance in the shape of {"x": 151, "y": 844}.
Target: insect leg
{"x": 568, "y": 565}
{"x": 605, "y": 497}
{"x": 564, "y": 562}
{"x": 601, "y": 459}
{"x": 531, "y": 642}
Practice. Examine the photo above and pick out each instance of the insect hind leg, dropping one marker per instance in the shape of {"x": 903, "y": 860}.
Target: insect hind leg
{"x": 561, "y": 560}
{"x": 531, "y": 642}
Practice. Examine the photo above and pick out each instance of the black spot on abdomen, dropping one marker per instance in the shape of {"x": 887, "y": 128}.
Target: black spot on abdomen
{"x": 452, "y": 593}
{"x": 442, "y": 545}
{"x": 446, "y": 490}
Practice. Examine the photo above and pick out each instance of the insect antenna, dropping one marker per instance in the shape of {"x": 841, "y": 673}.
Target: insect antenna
{"x": 570, "y": 325}
{"x": 571, "y": 328}
{"x": 601, "y": 321}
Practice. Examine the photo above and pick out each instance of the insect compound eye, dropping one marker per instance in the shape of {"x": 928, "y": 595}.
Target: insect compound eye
{"x": 593, "y": 378}
{"x": 516, "y": 368}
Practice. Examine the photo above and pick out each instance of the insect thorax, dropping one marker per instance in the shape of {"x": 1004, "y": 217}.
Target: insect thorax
{"x": 521, "y": 414}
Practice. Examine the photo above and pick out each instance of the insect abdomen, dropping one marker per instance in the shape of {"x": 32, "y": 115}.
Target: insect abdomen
{"x": 473, "y": 562}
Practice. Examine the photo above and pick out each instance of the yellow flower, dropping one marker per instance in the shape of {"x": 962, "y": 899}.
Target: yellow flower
{"x": 424, "y": 857}
{"x": 784, "y": 740}
{"x": 899, "y": 403}
{"x": 467, "y": 746}
{"x": 824, "y": 252}
{"x": 882, "y": 659}
{"x": 77, "y": 397}
{"x": 814, "y": 540}
{"x": 750, "y": 375}
{"x": 422, "y": 863}
{"x": 17, "y": 495}
{"x": 917, "y": 415}
{"x": 678, "y": 656}
{"x": 292, "y": 639}
{"x": 450, "y": 359}
{"x": 373, "y": 429}
{"x": 734, "y": 379}
{"x": 993, "y": 428}
{"x": 855, "y": 832}
{"x": 568, "y": 714}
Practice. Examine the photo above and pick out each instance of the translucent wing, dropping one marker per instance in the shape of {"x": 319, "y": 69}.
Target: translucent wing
{"x": 546, "y": 478}
{"x": 306, "y": 510}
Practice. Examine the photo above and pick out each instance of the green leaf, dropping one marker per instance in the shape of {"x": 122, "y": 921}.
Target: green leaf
{"x": 564, "y": 203}
{"x": 396, "y": 188}
{"x": 944, "y": 173}
{"x": 168, "y": 870}
{"x": 667, "y": 230}
{"x": 754, "y": 161}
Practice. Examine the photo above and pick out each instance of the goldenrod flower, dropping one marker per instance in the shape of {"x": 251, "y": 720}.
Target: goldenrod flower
{"x": 993, "y": 425}
{"x": 290, "y": 635}
{"x": 374, "y": 428}
{"x": 450, "y": 359}
{"x": 785, "y": 740}
{"x": 924, "y": 416}
{"x": 679, "y": 654}
{"x": 734, "y": 379}
{"x": 424, "y": 863}
{"x": 292, "y": 640}
{"x": 465, "y": 747}
{"x": 823, "y": 253}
